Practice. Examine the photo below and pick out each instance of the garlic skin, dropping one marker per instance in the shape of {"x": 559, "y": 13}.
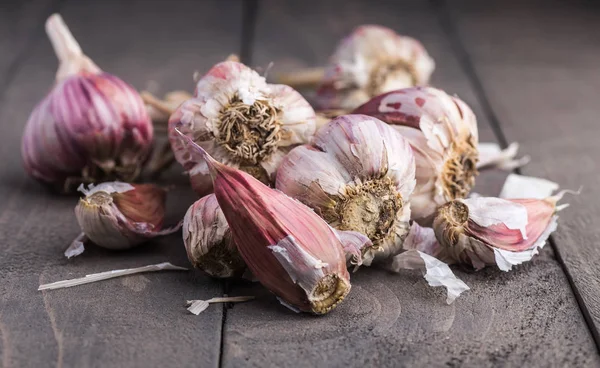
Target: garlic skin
{"x": 288, "y": 248}
{"x": 442, "y": 131}
{"x": 358, "y": 173}
{"x": 91, "y": 127}
{"x": 208, "y": 240}
{"x": 241, "y": 121}
{"x": 493, "y": 231}
{"x": 370, "y": 61}
{"x": 117, "y": 215}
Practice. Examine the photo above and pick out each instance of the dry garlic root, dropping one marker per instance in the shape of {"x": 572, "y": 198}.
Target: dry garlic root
{"x": 242, "y": 122}
{"x": 91, "y": 127}
{"x": 288, "y": 248}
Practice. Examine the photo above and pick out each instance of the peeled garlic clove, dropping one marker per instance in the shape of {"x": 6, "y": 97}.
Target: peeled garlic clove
{"x": 370, "y": 61}
{"x": 442, "y": 131}
{"x": 208, "y": 240}
{"x": 119, "y": 215}
{"x": 242, "y": 122}
{"x": 493, "y": 231}
{"x": 358, "y": 174}
{"x": 288, "y": 248}
{"x": 91, "y": 127}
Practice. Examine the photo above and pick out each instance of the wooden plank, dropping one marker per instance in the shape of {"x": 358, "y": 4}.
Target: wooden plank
{"x": 525, "y": 317}
{"x": 541, "y": 79}
{"x": 19, "y": 21}
{"x": 134, "y": 321}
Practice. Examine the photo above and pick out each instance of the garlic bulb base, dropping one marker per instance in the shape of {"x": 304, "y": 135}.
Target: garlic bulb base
{"x": 460, "y": 169}
{"x": 328, "y": 293}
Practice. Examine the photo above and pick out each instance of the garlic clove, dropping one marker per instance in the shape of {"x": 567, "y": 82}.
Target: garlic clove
{"x": 119, "y": 215}
{"x": 288, "y": 248}
{"x": 492, "y": 231}
{"x": 208, "y": 240}
{"x": 241, "y": 121}
{"x": 370, "y": 61}
{"x": 358, "y": 174}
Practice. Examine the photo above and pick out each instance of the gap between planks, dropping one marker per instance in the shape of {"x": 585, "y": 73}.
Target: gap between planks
{"x": 250, "y": 10}
{"x": 448, "y": 25}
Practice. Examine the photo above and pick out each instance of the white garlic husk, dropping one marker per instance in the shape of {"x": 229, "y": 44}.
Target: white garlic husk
{"x": 208, "y": 240}
{"x": 241, "y": 121}
{"x": 370, "y": 61}
{"x": 442, "y": 131}
{"x": 358, "y": 173}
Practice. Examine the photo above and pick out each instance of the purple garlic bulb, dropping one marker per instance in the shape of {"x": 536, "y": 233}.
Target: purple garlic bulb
{"x": 91, "y": 127}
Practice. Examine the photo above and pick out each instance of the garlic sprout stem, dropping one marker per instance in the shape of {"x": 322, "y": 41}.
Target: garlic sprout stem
{"x": 155, "y": 102}
{"x": 64, "y": 44}
{"x": 165, "y": 266}
{"x": 305, "y": 78}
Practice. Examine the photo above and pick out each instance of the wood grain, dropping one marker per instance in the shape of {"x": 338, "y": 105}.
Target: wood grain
{"x": 138, "y": 321}
{"x": 542, "y": 81}
{"x": 525, "y": 317}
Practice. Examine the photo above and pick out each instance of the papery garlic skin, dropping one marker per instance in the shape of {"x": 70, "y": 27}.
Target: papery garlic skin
{"x": 370, "y": 61}
{"x": 442, "y": 131}
{"x": 492, "y": 231}
{"x": 208, "y": 240}
{"x": 242, "y": 122}
{"x": 288, "y": 248}
{"x": 358, "y": 174}
{"x": 91, "y": 127}
{"x": 119, "y": 215}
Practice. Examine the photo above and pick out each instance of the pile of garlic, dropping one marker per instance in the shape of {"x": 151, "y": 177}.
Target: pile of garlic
{"x": 288, "y": 197}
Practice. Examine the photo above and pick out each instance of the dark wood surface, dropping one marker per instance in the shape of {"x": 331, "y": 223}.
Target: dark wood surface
{"x": 536, "y": 66}
{"x": 545, "y": 94}
{"x": 136, "y": 321}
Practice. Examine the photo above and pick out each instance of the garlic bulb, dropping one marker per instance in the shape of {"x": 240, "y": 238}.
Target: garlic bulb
{"x": 119, "y": 215}
{"x": 288, "y": 248}
{"x": 208, "y": 240}
{"x": 91, "y": 127}
{"x": 370, "y": 61}
{"x": 493, "y": 231}
{"x": 242, "y": 122}
{"x": 442, "y": 131}
{"x": 358, "y": 174}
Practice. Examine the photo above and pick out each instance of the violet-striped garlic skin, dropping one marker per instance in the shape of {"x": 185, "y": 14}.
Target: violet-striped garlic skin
{"x": 442, "y": 131}
{"x": 493, "y": 231}
{"x": 208, "y": 240}
{"x": 117, "y": 215}
{"x": 91, "y": 127}
{"x": 242, "y": 122}
{"x": 358, "y": 174}
{"x": 288, "y": 248}
{"x": 370, "y": 61}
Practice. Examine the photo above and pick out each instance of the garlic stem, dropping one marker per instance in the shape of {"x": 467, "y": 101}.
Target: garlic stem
{"x": 64, "y": 44}
{"x": 67, "y": 49}
{"x": 305, "y": 78}
{"x": 165, "y": 266}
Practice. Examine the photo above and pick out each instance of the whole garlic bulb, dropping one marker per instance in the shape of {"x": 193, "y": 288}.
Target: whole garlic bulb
{"x": 442, "y": 131}
{"x": 241, "y": 121}
{"x": 208, "y": 240}
{"x": 91, "y": 127}
{"x": 358, "y": 173}
{"x": 370, "y": 61}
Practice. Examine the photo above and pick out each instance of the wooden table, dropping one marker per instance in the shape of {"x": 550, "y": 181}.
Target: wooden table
{"x": 528, "y": 69}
